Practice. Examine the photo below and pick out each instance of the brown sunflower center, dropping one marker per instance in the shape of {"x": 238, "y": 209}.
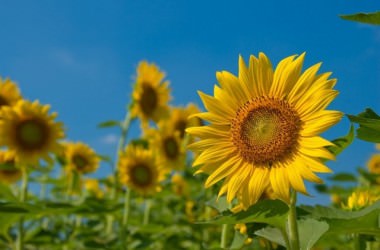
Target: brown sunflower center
{"x": 3, "y": 101}
{"x": 141, "y": 175}
{"x": 171, "y": 147}
{"x": 32, "y": 134}
{"x": 266, "y": 130}
{"x": 80, "y": 162}
{"x": 149, "y": 99}
{"x": 180, "y": 126}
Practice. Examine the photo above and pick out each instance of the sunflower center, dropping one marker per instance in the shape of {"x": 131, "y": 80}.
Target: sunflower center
{"x": 79, "y": 161}
{"x": 149, "y": 99}
{"x": 171, "y": 147}
{"x": 266, "y": 130}
{"x": 3, "y": 101}
{"x": 141, "y": 175}
{"x": 180, "y": 126}
{"x": 32, "y": 134}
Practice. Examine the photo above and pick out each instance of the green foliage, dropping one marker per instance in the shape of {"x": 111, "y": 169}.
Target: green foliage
{"x": 110, "y": 123}
{"x": 343, "y": 142}
{"x": 369, "y": 125}
{"x": 365, "y": 221}
{"x": 370, "y": 18}
{"x": 272, "y": 212}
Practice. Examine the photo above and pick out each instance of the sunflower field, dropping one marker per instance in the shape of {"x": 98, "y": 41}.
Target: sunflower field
{"x": 222, "y": 176}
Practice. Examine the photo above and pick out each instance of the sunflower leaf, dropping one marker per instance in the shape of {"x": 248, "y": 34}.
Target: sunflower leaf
{"x": 238, "y": 241}
{"x": 272, "y": 212}
{"x": 369, "y": 125}
{"x": 310, "y": 231}
{"x": 110, "y": 123}
{"x": 272, "y": 234}
{"x": 343, "y": 177}
{"x": 342, "y": 142}
{"x": 364, "y": 221}
{"x": 370, "y": 18}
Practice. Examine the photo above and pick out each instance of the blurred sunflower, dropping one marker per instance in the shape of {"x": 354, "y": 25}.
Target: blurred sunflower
{"x": 180, "y": 118}
{"x": 9, "y": 93}
{"x": 150, "y": 93}
{"x": 361, "y": 198}
{"x": 30, "y": 131}
{"x": 168, "y": 148}
{"x": 138, "y": 170}
{"x": 264, "y": 129}
{"x": 374, "y": 164}
{"x": 9, "y": 173}
{"x": 80, "y": 158}
{"x": 92, "y": 186}
{"x": 180, "y": 186}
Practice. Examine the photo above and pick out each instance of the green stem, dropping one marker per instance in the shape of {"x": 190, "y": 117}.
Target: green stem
{"x": 292, "y": 222}
{"x": 285, "y": 236}
{"x": 127, "y": 200}
{"x": 123, "y": 137}
{"x": 224, "y": 236}
{"x": 23, "y": 197}
{"x": 148, "y": 205}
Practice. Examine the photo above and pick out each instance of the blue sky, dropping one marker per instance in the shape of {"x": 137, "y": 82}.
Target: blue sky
{"x": 80, "y": 56}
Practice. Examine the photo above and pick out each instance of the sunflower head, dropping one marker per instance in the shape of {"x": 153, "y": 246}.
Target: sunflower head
{"x": 138, "y": 170}
{"x": 181, "y": 118}
{"x": 167, "y": 146}
{"x": 30, "y": 131}
{"x": 9, "y": 173}
{"x": 263, "y": 129}
{"x": 180, "y": 186}
{"x": 9, "y": 93}
{"x": 80, "y": 158}
{"x": 374, "y": 164}
{"x": 360, "y": 199}
{"x": 92, "y": 186}
{"x": 150, "y": 94}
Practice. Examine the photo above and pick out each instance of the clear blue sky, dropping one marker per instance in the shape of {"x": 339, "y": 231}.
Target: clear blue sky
{"x": 80, "y": 56}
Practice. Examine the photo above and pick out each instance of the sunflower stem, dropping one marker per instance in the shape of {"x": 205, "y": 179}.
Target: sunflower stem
{"x": 123, "y": 137}
{"x": 23, "y": 196}
{"x": 148, "y": 205}
{"x": 127, "y": 200}
{"x": 224, "y": 236}
{"x": 292, "y": 222}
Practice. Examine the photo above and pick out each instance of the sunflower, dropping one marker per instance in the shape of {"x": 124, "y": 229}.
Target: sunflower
{"x": 181, "y": 118}
{"x": 80, "y": 158}
{"x": 374, "y": 164}
{"x": 9, "y": 173}
{"x": 264, "y": 128}
{"x": 151, "y": 93}
{"x": 9, "y": 93}
{"x": 361, "y": 198}
{"x": 166, "y": 144}
{"x": 30, "y": 131}
{"x": 138, "y": 170}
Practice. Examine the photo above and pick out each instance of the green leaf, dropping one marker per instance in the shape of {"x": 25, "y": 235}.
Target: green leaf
{"x": 371, "y": 18}
{"x": 238, "y": 241}
{"x": 343, "y": 177}
{"x": 310, "y": 231}
{"x": 105, "y": 158}
{"x": 110, "y": 123}
{"x": 369, "y": 125}
{"x": 219, "y": 204}
{"x": 342, "y": 142}
{"x": 272, "y": 234}
{"x": 364, "y": 221}
{"x": 272, "y": 212}
{"x": 6, "y": 193}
